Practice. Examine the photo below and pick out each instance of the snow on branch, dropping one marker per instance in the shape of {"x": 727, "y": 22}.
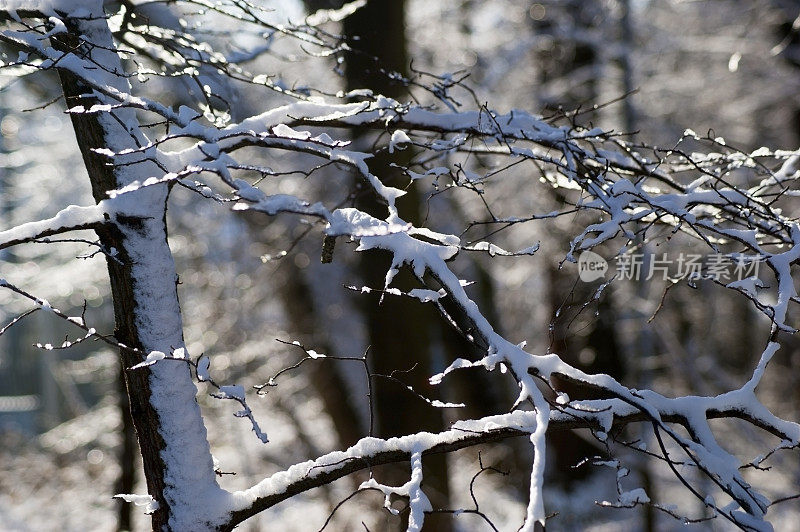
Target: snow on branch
{"x": 150, "y": 504}
{"x": 599, "y": 415}
{"x": 321, "y": 16}
{"x": 373, "y": 451}
{"x": 72, "y": 218}
{"x": 417, "y": 501}
{"x": 232, "y": 392}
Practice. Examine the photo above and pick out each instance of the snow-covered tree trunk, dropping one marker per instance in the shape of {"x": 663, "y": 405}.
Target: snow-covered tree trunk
{"x": 177, "y": 460}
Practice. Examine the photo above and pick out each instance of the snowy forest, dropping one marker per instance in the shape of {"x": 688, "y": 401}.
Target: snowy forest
{"x": 310, "y": 265}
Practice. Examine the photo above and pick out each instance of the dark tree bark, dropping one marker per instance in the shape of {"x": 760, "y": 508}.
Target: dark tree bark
{"x": 400, "y": 331}
{"x": 143, "y": 287}
{"x": 593, "y": 346}
{"x": 126, "y": 457}
{"x": 298, "y": 303}
{"x": 91, "y": 135}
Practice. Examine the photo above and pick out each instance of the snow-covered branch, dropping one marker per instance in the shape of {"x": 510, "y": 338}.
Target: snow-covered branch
{"x": 601, "y": 416}
{"x": 71, "y": 218}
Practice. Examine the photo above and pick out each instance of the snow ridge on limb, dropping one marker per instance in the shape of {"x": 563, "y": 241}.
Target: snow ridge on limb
{"x": 599, "y": 415}
{"x": 417, "y": 500}
{"x": 304, "y": 476}
{"x": 71, "y": 218}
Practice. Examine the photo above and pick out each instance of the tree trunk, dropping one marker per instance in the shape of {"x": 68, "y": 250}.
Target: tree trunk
{"x": 399, "y": 330}
{"x": 127, "y": 456}
{"x": 172, "y": 438}
{"x": 593, "y": 346}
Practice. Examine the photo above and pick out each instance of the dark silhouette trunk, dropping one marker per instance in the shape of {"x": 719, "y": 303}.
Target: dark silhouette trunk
{"x": 298, "y": 302}
{"x": 126, "y": 458}
{"x": 399, "y": 330}
{"x": 404, "y": 334}
{"x": 578, "y": 335}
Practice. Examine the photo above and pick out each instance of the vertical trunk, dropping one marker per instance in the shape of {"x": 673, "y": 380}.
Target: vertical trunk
{"x": 592, "y": 346}
{"x": 172, "y": 438}
{"x": 298, "y": 303}
{"x": 127, "y": 457}
{"x": 644, "y": 338}
{"x": 400, "y": 330}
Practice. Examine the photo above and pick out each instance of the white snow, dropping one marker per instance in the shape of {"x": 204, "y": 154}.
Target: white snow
{"x": 398, "y": 140}
{"x": 322, "y": 16}
{"x": 634, "y": 496}
{"x": 69, "y": 218}
{"x": 150, "y": 504}
{"x": 426, "y": 295}
{"x": 232, "y": 392}
{"x": 152, "y": 358}
{"x": 202, "y": 368}
{"x": 49, "y": 7}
